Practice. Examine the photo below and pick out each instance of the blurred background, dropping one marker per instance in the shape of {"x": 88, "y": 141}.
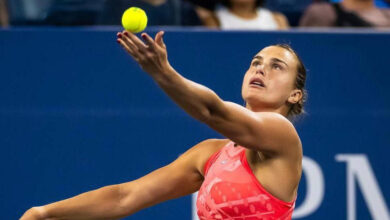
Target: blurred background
{"x": 184, "y": 12}
{"x": 76, "y": 113}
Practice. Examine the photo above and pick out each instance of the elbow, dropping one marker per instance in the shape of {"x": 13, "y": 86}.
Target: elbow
{"x": 210, "y": 116}
{"x": 214, "y": 113}
{"x": 115, "y": 201}
{"x": 204, "y": 115}
{"x": 126, "y": 202}
{"x": 209, "y": 108}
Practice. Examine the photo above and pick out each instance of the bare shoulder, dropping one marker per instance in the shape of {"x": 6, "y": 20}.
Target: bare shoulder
{"x": 201, "y": 152}
{"x": 279, "y": 15}
{"x": 281, "y": 19}
{"x": 280, "y": 131}
{"x": 208, "y": 18}
{"x": 275, "y": 119}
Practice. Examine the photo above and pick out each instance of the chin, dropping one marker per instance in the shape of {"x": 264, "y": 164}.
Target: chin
{"x": 258, "y": 102}
{"x": 254, "y": 101}
{"x": 255, "y": 97}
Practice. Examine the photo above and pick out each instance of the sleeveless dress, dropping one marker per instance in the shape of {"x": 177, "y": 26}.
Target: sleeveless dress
{"x": 264, "y": 21}
{"x": 231, "y": 191}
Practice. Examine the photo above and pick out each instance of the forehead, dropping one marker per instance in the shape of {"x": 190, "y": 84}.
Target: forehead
{"x": 278, "y": 52}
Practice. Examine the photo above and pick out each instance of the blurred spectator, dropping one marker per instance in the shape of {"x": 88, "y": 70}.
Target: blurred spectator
{"x": 348, "y": 13}
{"x": 73, "y": 12}
{"x": 206, "y": 4}
{"x": 292, "y": 9}
{"x": 27, "y": 12}
{"x": 3, "y": 13}
{"x": 54, "y": 12}
{"x": 244, "y": 15}
{"x": 205, "y": 11}
{"x": 160, "y": 12}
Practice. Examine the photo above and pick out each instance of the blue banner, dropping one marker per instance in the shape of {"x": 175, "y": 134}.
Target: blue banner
{"x": 76, "y": 114}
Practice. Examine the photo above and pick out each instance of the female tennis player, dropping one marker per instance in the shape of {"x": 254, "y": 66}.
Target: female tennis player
{"x": 253, "y": 174}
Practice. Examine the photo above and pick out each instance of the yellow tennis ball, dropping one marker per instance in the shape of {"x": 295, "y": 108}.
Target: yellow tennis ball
{"x": 134, "y": 20}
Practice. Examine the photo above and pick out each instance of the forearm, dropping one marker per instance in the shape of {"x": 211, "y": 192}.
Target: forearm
{"x": 197, "y": 100}
{"x": 103, "y": 203}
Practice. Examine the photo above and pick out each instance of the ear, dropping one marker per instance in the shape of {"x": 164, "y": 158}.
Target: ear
{"x": 295, "y": 96}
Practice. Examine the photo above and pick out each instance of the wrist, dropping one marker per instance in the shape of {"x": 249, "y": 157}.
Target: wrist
{"x": 164, "y": 75}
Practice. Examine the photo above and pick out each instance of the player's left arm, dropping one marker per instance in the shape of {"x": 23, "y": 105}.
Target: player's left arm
{"x": 268, "y": 132}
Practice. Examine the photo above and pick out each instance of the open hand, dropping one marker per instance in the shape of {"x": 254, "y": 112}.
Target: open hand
{"x": 151, "y": 54}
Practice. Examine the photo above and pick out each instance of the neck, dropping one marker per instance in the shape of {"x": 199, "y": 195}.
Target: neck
{"x": 358, "y": 5}
{"x": 283, "y": 110}
{"x": 244, "y": 10}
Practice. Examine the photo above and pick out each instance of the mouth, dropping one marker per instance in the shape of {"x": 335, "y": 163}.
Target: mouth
{"x": 257, "y": 82}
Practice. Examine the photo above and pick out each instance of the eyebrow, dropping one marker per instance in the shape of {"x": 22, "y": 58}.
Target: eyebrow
{"x": 257, "y": 57}
{"x": 273, "y": 59}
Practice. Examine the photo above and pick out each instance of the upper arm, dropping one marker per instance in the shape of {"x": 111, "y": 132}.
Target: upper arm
{"x": 181, "y": 177}
{"x": 281, "y": 20}
{"x": 207, "y": 17}
{"x": 264, "y": 131}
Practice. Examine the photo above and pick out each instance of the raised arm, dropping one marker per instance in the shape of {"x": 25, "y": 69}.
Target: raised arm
{"x": 181, "y": 177}
{"x": 268, "y": 132}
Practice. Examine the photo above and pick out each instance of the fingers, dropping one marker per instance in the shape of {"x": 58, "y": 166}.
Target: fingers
{"x": 139, "y": 50}
{"x": 159, "y": 39}
{"x": 128, "y": 46}
{"x": 149, "y": 41}
{"x": 130, "y": 51}
{"x": 131, "y": 45}
{"x": 136, "y": 41}
{"x": 121, "y": 42}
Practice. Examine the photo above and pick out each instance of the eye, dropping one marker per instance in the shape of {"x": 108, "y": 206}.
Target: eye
{"x": 255, "y": 63}
{"x": 276, "y": 66}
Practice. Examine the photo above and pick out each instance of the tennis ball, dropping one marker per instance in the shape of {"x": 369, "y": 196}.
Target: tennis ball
{"x": 134, "y": 20}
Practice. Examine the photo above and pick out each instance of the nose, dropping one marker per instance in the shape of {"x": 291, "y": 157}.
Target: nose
{"x": 260, "y": 70}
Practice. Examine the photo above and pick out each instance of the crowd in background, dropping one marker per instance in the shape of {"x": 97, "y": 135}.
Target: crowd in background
{"x": 219, "y": 14}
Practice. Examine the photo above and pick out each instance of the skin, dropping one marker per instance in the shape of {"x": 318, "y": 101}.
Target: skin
{"x": 4, "y": 20}
{"x": 273, "y": 148}
{"x": 357, "y": 5}
{"x": 322, "y": 14}
{"x": 245, "y": 9}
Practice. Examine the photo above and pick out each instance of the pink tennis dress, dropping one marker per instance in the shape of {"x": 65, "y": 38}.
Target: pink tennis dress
{"x": 231, "y": 191}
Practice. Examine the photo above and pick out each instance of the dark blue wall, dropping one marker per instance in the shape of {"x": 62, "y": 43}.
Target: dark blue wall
{"x": 76, "y": 113}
